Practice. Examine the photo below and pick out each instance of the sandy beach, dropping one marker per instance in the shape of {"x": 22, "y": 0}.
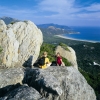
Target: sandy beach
{"x": 61, "y": 36}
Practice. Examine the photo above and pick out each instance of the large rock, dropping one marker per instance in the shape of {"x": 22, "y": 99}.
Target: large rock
{"x": 21, "y": 93}
{"x": 21, "y": 43}
{"x": 60, "y": 83}
{"x": 11, "y": 76}
{"x": 69, "y": 54}
{"x": 2, "y": 26}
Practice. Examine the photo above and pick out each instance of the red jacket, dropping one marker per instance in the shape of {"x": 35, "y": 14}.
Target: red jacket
{"x": 59, "y": 61}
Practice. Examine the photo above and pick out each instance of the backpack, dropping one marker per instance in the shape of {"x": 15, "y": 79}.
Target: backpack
{"x": 41, "y": 61}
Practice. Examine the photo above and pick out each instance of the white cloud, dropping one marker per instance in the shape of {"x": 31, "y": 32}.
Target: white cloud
{"x": 60, "y": 6}
{"x": 93, "y": 7}
{"x": 65, "y": 9}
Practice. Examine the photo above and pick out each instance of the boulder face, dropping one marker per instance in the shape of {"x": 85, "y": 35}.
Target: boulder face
{"x": 59, "y": 83}
{"x": 68, "y": 54}
{"x": 11, "y": 76}
{"x": 21, "y": 43}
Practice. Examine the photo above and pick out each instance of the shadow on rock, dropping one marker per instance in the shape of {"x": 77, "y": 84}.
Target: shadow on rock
{"x": 28, "y": 63}
{"x": 34, "y": 79}
{"x": 7, "y": 89}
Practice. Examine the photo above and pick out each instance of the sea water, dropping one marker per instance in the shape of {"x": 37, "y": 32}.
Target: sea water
{"x": 85, "y": 33}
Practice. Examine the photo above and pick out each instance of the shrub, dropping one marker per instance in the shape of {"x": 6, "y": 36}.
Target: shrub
{"x": 25, "y": 21}
{"x": 67, "y": 63}
{"x": 49, "y": 48}
{"x": 64, "y": 46}
{"x": 12, "y": 23}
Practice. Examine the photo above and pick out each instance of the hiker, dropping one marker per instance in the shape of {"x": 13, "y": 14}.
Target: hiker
{"x": 58, "y": 59}
{"x": 44, "y": 61}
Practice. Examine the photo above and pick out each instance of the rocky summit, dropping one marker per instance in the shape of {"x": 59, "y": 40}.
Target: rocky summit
{"x": 60, "y": 83}
{"x": 53, "y": 83}
{"x": 21, "y": 43}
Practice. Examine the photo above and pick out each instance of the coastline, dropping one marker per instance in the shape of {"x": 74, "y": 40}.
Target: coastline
{"x": 61, "y": 36}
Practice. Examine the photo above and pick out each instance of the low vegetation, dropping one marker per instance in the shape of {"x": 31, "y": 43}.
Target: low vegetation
{"x": 12, "y": 23}
{"x": 94, "y": 81}
{"x": 87, "y": 53}
{"x": 50, "y": 48}
{"x": 64, "y": 46}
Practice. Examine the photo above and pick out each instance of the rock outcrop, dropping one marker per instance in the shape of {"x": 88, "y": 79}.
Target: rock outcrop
{"x": 60, "y": 83}
{"x": 21, "y": 43}
{"x": 18, "y": 92}
{"x": 68, "y": 54}
{"x": 53, "y": 83}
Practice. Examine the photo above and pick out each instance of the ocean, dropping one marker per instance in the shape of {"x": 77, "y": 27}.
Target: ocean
{"x": 85, "y": 33}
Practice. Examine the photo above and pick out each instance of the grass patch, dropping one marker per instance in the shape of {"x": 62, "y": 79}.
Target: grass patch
{"x": 64, "y": 46}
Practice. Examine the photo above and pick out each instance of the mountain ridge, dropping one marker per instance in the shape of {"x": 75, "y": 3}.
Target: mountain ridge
{"x": 47, "y": 29}
{"x": 8, "y": 20}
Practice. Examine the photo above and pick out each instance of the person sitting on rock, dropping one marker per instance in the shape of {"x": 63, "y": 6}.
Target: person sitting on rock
{"x": 58, "y": 59}
{"x": 44, "y": 61}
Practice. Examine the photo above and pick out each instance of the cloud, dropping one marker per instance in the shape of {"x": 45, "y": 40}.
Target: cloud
{"x": 94, "y": 7}
{"x": 66, "y": 9}
{"x": 61, "y": 11}
{"x": 60, "y": 6}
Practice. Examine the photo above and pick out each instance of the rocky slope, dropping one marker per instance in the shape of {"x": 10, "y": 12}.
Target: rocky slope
{"x": 53, "y": 83}
{"x": 21, "y": 43}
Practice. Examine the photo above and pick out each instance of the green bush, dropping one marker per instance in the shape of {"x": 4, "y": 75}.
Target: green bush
{"x": 67, "y": 63}
{"x": 12, "y": 23}
{"x": 49, "y": 48}
{"x": 64, "y": 46}
{"x": 25, "y": 21}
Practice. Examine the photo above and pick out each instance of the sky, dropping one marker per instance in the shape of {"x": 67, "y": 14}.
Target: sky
{"x": 63, "y": 12}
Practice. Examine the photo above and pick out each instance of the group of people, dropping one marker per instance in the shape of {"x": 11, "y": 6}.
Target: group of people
{"x": 58, "y": 61}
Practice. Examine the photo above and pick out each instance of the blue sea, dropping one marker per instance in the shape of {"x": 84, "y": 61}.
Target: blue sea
{"x": 85, "y": 33}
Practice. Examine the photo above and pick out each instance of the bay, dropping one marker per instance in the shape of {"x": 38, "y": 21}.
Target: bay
{"x": 85, "y": 33}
